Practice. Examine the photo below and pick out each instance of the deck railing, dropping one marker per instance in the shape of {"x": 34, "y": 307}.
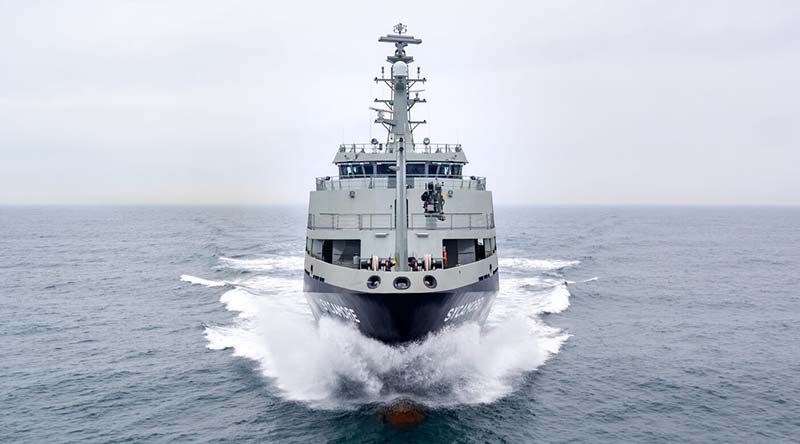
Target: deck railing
{"x": 340, "y": 221}
{"x": 329, "y": 183}
{"x": 452, "y": 221}
{"x": 389, "y": 147}
{"x": 385, "y": 221}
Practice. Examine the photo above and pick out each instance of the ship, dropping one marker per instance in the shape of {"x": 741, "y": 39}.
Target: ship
{"x": 401, "y": 243}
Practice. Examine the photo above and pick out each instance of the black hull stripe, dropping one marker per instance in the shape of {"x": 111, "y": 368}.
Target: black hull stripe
{"x": 402, "y": 317}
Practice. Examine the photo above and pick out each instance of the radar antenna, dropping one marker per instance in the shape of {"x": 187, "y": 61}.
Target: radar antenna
{"x": 380, "y": 115}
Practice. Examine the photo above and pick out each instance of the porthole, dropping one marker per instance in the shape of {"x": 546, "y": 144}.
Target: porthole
{"x": 429, "y": 281}
{"x": 402, "y": 283}
{"x": 373, "y": 282}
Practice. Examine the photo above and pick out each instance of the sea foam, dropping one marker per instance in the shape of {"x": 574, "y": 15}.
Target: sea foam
{"x": 201, "y": 281}
{"x": 331, "y": 365}
{"x": 263, "y": 264}
{"x": 519, "y": 263}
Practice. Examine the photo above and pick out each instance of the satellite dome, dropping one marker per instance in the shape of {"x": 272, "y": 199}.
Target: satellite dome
{"x": 400, "y": 69}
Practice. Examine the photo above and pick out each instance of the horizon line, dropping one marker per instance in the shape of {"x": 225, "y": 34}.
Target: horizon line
{"x": 284, "y": 204}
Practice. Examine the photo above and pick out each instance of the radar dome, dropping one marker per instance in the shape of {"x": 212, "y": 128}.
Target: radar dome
{"x": 400, "y": 69}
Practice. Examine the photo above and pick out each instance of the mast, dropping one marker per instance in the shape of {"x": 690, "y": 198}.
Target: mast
{"x": 400, "y": 132}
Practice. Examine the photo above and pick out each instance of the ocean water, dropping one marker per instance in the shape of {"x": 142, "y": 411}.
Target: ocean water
{"x": 630, "y": 324}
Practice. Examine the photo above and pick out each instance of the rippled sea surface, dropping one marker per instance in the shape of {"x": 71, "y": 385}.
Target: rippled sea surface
{"x": 638, "y": 324}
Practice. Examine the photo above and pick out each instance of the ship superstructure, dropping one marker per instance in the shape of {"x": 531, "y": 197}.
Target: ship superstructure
{"x": 401, "y": 243}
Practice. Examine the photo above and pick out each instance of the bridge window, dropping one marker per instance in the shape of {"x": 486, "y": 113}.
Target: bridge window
{"x": 382, "y": 169}
{"x": 415, "y": 169}
{"x": 444, "y": 170}
{"x": 351, "y": 170}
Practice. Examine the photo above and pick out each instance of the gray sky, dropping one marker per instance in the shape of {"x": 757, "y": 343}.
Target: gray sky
{"x": 556, "y": 102}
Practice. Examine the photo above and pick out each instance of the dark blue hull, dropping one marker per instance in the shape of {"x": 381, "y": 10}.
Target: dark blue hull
{"x": 402, "y": 317}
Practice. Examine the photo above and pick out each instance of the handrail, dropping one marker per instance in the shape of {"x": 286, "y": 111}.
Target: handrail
{"x": 389, "y": 147}
{"x": 385, "y": 221}
{"x": 452, "y": 221}
{"x": 328, "y": 183}
{"x": 343, "y": 221}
